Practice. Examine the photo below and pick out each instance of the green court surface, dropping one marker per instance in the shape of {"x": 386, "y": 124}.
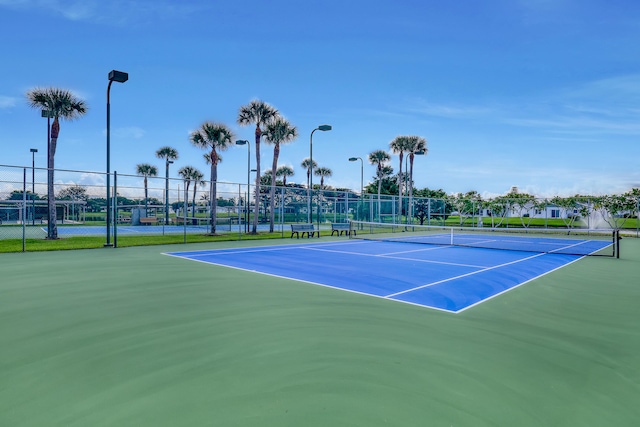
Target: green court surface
{"x": 131, "y": 337}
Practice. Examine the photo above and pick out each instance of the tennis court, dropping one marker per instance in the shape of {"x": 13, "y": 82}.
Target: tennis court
{"x": 94, "y": 230}
{"x": 133, "y": 337}
{"x": 435, "y": 275}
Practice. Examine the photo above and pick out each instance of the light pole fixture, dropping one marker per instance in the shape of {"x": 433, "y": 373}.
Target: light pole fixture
{"x": 322, "y": 128}
{"x": 166, "y": 192}
{"x": 120, "y": 77}
{"x": 246, "y": 207}
{"x": 33, "y": 185}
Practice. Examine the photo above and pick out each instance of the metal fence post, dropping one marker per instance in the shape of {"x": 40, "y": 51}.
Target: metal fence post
{"x": 24, "y": 210}
{"x": 114, "y": 200}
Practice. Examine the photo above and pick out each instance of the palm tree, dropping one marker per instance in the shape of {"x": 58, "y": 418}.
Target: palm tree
{"x": 278, "y": 131}
{"x": 207, "y": 160}
{"x": 197, "y": 180}
{"x": 414, "y": 144}
{"x": 284, "y": 172}
{"x": 265, "y": 179}
{"x": 215, "y": 137}
{"x": 168, "y": 154}
{"x": 190, "y": 173}
{"x": 259, "y": 113}
{"x": 306, "y": 163}
{"x": 146, "y": 170}
{"x": 322, "y": 173}
{"x": 379, "y": 158}
{"x": 399, "y": 145}
{"x": 60, "y": 104}
{"x": 186, "y": 173}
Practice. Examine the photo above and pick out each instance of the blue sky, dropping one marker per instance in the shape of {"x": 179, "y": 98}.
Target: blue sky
{"x": 539, "y": 94}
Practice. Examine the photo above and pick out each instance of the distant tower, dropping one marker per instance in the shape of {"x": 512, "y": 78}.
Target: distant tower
{"x": 514, "y": 190}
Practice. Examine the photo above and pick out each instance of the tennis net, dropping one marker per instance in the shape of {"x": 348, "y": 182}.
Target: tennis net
{"x": 540, "y": 240}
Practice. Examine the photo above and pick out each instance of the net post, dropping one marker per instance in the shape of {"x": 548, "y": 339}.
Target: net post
{"x": 616, "y": 237}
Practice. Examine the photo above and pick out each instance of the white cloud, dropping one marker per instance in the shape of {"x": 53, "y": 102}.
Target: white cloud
{"x": 128, "y": 132}
{"x": 74, "y": 10}
{"x": 446, "y": 110}
{"x": 114, "y": 12}
{"x": 578, "y": 125}
{"x": 7, "y": 101}
{"x": 93, "y": 179}
{"x": 617, "y": 86}
{"x": 605, "y": 106}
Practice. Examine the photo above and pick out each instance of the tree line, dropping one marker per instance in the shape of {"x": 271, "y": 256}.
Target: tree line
{"x": 214, "y": 137}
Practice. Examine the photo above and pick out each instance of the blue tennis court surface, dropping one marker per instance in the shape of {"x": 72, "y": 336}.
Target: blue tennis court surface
{"x": 448, "y": 278}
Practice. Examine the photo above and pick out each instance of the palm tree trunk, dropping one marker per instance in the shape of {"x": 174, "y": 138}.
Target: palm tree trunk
{"x": 52, "y": 227}
{"x": 274, "y": 167}
{"x": 410, "y": 206}
{"x": 186, "y": 198}
{"x": 146, "y": 198}
{"x": 256, "y": 212}
{"x": 400, "y": 188}
{"x": 214, "y": 198}
{"x": 379, "y": 206}
{"x": 379, "y": 188}
{"x": 195, "y": 190}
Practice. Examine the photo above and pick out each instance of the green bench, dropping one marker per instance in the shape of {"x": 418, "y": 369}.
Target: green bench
{"x": 301, "y": 229}
{"x": 342, "y": 227}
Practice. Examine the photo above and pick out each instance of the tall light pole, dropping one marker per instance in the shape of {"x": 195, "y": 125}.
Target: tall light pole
{"x": 353, "y": 159}
{"x": 166, "y": 192}
{"x": 120, "y": 77}
{"x": 33, "y": 185}
{"x": 246, "y": 207}
{"x": 322, "y": 128}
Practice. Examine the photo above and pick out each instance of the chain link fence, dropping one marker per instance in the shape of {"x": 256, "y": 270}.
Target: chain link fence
{"x": 155, "y": 207}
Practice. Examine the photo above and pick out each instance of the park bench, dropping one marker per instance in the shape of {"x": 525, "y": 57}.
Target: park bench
{"x": 149, "y": 220}
{"x": 300, "y": 229}
{"x": 342, "y": 227}
{"x": 179, "y": 220}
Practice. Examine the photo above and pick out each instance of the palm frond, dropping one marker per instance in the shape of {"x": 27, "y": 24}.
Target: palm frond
{"x": 168, "y": 153}
{"x": 256, "y": 112}
{"x": 280, "y": 131}
{"x": 146, "y": 170}
{"x": 61, "y": 103}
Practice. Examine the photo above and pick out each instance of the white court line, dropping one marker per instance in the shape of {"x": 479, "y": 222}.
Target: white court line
{"x": 317, "y": 247}
{"x": 312, "y": 283}
{"x": 570, "y": 246}
{"x": 462, "y": 275}
{"x": 233, "y": 251}
{"x": 399, "y": 258}
{"x": 428, "y": 248}
{"x": 516, "y": 286}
